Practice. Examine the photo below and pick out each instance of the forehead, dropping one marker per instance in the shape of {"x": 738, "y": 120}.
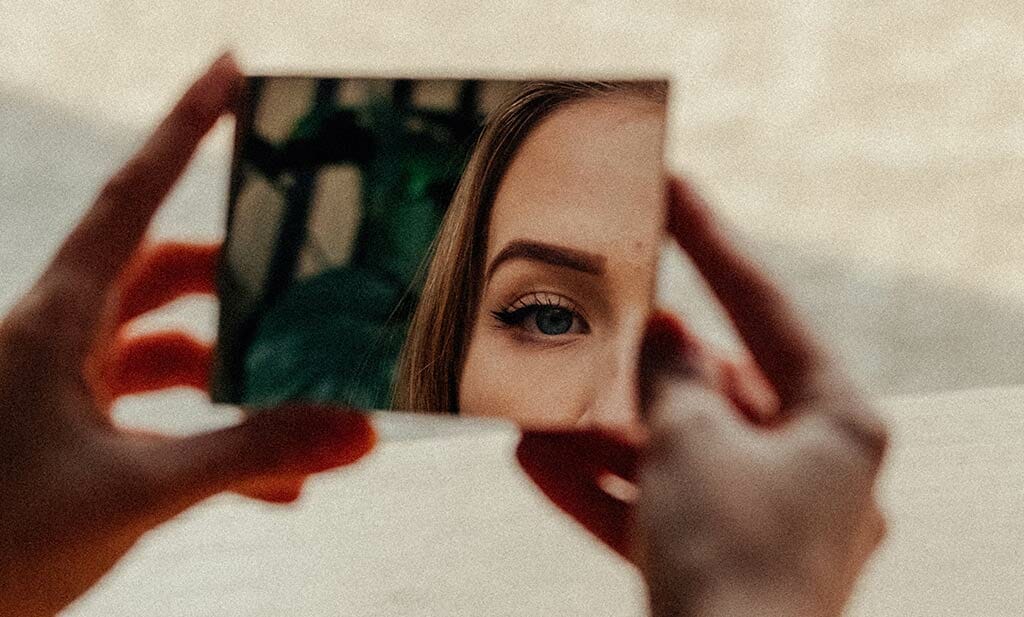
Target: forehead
{"x": 588, "y": 176}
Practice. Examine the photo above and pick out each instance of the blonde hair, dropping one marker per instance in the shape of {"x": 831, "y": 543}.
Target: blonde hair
{"x": 430, "y": 365}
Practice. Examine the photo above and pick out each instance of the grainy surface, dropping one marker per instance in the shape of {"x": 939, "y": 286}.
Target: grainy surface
{"x": 870, "y": 154}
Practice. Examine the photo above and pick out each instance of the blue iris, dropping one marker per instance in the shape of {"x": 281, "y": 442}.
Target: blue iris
{"x": 553, "y": 320}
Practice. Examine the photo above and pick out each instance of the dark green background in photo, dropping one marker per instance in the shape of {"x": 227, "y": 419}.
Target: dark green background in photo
{"x": 335, "y": 336}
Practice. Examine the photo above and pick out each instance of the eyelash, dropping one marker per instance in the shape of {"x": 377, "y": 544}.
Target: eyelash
{"x": 516, "y": 313}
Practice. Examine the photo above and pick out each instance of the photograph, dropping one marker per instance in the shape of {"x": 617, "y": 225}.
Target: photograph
{"x": 602, "y": 309}
{"x": 369, "y": 217}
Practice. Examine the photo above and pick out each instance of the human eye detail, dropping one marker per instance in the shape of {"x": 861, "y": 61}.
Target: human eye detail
{"x": 543, "y": 314}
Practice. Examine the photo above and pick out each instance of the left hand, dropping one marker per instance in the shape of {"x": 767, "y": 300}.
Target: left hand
{"x": 77, "y": 490}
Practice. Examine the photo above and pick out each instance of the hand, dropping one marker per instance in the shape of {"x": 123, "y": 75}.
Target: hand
{"x": 77, "y": 491}
{"x": 737, "y": 513}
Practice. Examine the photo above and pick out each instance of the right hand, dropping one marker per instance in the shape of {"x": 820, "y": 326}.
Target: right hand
{"x": 737, "y": 513}
{"x": 77, "y": 491}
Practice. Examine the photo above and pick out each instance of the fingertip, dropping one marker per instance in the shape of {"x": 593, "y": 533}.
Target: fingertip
{"x": 226, "y": 61}
{"x": 266, "y": 457}
{"x": 216, "y": 91}
{"x": 666, "y": 347}
{"x": 227, "y": 65}
{"x": 354, "y": 435}
{"x": 313, "y": 438}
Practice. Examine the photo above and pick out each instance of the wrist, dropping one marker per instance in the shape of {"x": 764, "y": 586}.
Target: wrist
{"x": 727, "y": 600}
{"x": 740, "y": 602}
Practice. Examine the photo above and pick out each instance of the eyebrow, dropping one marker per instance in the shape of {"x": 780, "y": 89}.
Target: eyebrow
{"x": 552, "y": 254}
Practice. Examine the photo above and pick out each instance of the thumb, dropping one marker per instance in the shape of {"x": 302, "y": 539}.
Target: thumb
{"x": 287, "y": 441}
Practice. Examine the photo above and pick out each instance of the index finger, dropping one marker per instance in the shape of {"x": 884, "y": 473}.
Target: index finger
{"x": 789, "y": 356}
{"x": 96, "y": 251}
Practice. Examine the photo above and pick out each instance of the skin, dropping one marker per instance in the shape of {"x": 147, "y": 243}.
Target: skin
{"x": 77, "y": 490}
{"x": 586, "y": 185}
{"x": 729, "y": 469}
{"x": 729, "y": 519}
{"x": 736, "y": 514}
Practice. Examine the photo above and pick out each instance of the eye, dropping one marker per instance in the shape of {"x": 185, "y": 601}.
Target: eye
{"x": 543, "y": 314}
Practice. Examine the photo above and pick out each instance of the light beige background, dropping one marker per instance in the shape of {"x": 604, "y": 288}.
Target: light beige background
{"x": 448, "y": 525}
{"x": 870, "y": 154}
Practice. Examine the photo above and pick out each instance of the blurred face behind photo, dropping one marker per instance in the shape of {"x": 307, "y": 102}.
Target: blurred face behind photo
{"x": 572, "y": 246}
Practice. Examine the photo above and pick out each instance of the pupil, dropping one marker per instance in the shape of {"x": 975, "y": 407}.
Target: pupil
{"x": 552, "y": 320}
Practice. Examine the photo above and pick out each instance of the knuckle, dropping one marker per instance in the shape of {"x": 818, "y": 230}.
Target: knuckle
{"x": 881, "y": 529}
{"x": 60, "y": 309}
{"x": 855, "y": 417}
{"x": 26, "y": 332}
{"x": 143, "y": 489}
{"x": 694, "y": 409}
{"x": 867, "y": 428}
{"x": 825, "y": 382}
{"x": 845, "y": 442}
{"x": 49, "y": 317}
{"x": 820, "y": 447}
{"x": 875, "y": 435}
{"x": 682, "y": 426}
{"x": 691, "y": 424}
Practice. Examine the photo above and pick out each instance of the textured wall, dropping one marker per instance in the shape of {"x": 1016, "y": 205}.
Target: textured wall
{"x": 872, "y": 153}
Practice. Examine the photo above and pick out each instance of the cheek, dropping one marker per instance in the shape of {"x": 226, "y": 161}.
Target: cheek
{"x": 528, "y": 386}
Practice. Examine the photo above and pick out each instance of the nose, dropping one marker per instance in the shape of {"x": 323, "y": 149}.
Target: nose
{"x": 614, "y": 404}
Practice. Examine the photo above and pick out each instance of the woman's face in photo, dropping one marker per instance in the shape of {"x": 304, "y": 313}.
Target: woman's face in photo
{"x": 572, "y": 248}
